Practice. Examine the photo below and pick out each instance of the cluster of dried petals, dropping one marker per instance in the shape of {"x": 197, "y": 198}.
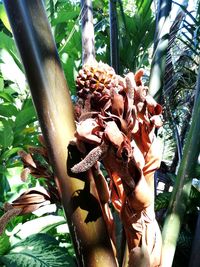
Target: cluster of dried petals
{"x": 37, "y": 197}
{"x": 27, "y": 202}
{"x": 36, "y": 163}
{"x": 116, "y": 119}
{"x": 33, "y": 166}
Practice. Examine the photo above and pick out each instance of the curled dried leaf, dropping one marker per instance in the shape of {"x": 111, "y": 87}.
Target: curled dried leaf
{"x": 31, "y": 200}
{"x": 27, "y": 158}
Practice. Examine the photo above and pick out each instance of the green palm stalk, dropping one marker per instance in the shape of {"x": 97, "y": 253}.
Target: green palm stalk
{"x": 54, "y": 108}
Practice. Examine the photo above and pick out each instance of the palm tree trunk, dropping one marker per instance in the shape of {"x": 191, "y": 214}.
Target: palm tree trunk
{"x": 114, "y": 49}
{"x": 55, "y": 112}
{"x": 169, "y": 86}
{"x": 88, "y": 47}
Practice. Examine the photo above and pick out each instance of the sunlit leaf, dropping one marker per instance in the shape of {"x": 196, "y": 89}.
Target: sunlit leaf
{"x": 6, "y": 97}
{"x": 40, "y": 250}
{"x": 40, "y": 225}
{"x": 7, "y": 42}
{"x": 4, "y": 17}
{"x": 11, "y": 71}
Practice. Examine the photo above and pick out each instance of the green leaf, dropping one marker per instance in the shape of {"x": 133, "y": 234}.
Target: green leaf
{"x": 40, "y": 250}
{"x": 6, "y": 133}
{"x": 4, "y": 17}
{"x": 6, "y": 97}
{"x": 8, "y": 153}
{"x": 1, "y": 84}
{"x": 25, "y": 116}
{"x": 162, "y": 201}
{"x": 8, "y": 110}
{"x": 65, "y": 16}
{"x": 7, "y": 42}
{"x": 4, "y": 244}
{"x": 4, "y": 184}
{"x": 70, "y": 70}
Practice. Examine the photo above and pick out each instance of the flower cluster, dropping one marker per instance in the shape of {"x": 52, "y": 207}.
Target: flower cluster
{"x": 116, "y": 119}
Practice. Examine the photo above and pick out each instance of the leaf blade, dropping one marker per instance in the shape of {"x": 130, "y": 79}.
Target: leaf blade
{"x": 40, "y": 250}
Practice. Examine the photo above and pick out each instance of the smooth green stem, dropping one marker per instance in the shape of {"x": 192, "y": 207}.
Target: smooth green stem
{"x": 180, "y": 195}
{"x": 55, "y": 112}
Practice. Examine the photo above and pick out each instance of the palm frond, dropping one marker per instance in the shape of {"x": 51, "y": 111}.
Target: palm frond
{"x": 180, "y": 79}
{"x": 161, "y": 44}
